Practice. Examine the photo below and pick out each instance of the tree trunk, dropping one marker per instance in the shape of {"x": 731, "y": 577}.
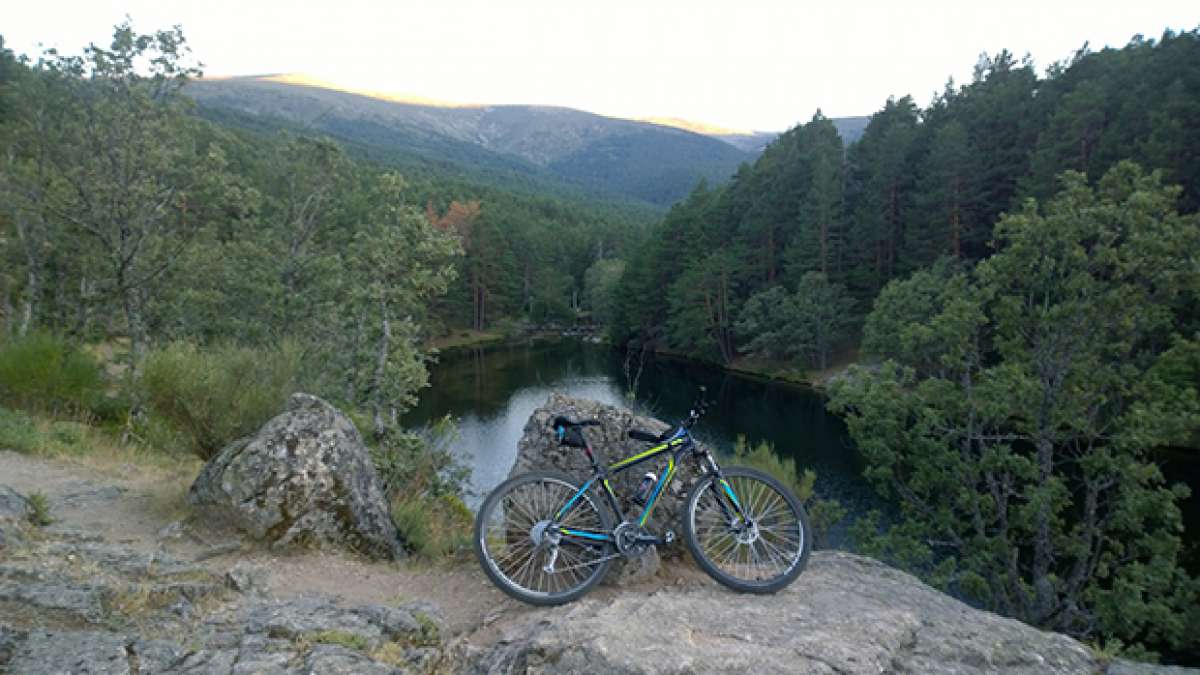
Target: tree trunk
{"x": 360, "y": 337}
{"x": 381, "y": 358}
{"x": 955, "y": 233}
{"x": 1043, "y": 552}
{"x": 824, "y": 246}
{"x": 137, "y": 330}
{"x": 29, "y": 302}
{"x": 33, "y": 277}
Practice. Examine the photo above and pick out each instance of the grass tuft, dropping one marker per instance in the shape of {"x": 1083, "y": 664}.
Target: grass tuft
{"x": 39, "y": 509}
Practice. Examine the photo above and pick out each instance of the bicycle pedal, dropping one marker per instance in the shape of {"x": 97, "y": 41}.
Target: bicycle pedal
{"x": 669, "y": 537}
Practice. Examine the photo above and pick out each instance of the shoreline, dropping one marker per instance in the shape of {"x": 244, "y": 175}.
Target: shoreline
{"x": 772, "y": 372}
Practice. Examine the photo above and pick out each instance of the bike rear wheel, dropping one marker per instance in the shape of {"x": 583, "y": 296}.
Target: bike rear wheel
{"x": 516, "y": 537}
{"x": 761, "y": 553}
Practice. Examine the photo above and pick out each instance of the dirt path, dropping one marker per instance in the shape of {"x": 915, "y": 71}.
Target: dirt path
{"x": 141, "y": 509}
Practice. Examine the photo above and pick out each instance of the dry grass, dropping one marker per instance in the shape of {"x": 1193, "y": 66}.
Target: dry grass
{"x": 166, "y": 476}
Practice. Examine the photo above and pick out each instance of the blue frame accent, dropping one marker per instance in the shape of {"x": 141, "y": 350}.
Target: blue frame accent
{"x": 566, "y": 507}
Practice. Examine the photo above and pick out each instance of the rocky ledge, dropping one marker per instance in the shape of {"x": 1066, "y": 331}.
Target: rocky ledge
{"x": 71, "y": 602}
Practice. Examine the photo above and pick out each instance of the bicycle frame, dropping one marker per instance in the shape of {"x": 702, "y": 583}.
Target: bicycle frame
{"x": 678, "y": 444}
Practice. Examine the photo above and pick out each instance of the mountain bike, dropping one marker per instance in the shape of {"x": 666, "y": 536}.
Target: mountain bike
{"x": 546, "y": 538}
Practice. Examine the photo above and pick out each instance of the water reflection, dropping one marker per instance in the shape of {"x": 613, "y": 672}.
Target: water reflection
{"x": 491, "y": 394}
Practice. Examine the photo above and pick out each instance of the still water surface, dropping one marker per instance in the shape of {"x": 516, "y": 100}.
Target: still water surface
{"x": 492, "y": 392}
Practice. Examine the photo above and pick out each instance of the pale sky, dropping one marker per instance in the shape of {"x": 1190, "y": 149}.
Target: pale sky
{"x": 747, "y": 65}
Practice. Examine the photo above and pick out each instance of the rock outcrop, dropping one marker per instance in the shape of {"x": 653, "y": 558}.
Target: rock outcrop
{"x": 846, "y": 614}
{"x": 538, "y": 449}
{"x": 306, "y": 476}
{"x": 71, "y": 602}
{"x": 14, "y": 514}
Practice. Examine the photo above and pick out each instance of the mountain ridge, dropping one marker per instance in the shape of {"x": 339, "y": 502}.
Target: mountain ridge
{"x": 656, "y": 162}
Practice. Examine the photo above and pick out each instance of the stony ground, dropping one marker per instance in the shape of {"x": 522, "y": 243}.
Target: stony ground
{"x": 122, "y": 582}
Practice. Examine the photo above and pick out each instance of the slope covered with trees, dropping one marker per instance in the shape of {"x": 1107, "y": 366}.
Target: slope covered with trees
{"x": 124, "y": 214}
{"x": 921, "y": 184}
{"x": 1018, "y": 261}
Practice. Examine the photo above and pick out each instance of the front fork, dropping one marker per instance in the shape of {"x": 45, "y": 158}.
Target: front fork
{"x": 731, "y": 506}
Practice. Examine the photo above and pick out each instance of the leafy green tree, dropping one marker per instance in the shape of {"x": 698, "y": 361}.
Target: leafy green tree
{"x": 943, "y": 219}
{"x": 600, "y": 282}
{"x": 762, "y": 324}
{"x": 817, "y": 244}
{"x": 397, "y": 262}
{"x": 809, "y": 323}
{"x": 1014, "y": 418}
{"x": 882, "y": 165}
{"x": 119, "y": 149}
{"x": 702, "y": 309}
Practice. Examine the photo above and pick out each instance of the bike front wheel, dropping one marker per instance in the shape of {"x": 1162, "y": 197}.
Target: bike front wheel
{"x": 747, "y": 531}
{"x": 520, "y": 543}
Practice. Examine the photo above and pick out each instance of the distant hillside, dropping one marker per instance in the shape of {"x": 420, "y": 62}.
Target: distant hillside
{"x": 754, "y": 142}
{"x": 623, "y": 158}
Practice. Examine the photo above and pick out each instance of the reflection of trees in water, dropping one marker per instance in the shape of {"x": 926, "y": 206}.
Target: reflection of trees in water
{"x": 485, "y": 382}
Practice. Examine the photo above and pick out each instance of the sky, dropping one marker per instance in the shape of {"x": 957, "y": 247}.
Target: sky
{"x": 743, "y": 65}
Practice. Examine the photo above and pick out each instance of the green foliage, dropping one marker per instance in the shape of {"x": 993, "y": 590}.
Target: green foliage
{"x": 424, "y": 482}
{"x": 919, "y": 185}
{"x": 44, "y": 372}
{"x": 1015, "y": 414}
{"x": 421, "y": 463}
{"x": 39, "y": 509}
{"x": 434, "y": 528}
{"x": 219, "y": 394}
{"x": 823, "y": 513}
{"x": 18, "y": 432}
{"x": 809, "y": 323}
{"x": 599, "y": 286}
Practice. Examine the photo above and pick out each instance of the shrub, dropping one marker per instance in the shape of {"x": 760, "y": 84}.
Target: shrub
{"x": 17, "y": 432}
{"x": 39, "y": 509}
{"x": 217, "y": 395}
{"x": 420, "y": 463}
{"x": 424, "y": 482}
{"x": 823, "y": 513}
{"x": 433, "y": 528}
{"x": 46, "y": 372}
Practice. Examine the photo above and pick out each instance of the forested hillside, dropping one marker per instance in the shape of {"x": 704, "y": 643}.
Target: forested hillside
{"x": 126, "y": 216}
{"x": 921, "y": 184}
{"x": 1017, "y": 267}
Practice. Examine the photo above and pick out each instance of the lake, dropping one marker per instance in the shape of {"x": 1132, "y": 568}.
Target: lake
{"x": 491, "y": 393}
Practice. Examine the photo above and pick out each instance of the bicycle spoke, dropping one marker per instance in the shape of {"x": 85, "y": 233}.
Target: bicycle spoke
{"x": 519, "y": 536}
{"x": 759, "y": 549}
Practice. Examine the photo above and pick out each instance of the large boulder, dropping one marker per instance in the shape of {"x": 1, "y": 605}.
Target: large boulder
{"x": 305, "y": 476}
{"x": 539, "y": 449}
{"x": 846, "y": 614}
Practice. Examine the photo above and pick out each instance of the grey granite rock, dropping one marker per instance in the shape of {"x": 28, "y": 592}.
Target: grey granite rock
{"x": 305, "y": 476}
{"x": 846, "y": 614}
{"x": 77, "y": 653}
{"x": 538, "y": 449}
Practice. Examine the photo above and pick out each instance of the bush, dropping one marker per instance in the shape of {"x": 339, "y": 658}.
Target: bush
{"x": 22, "y": 433}
{"x": 420, "y": 463}
{"x": 433, "y": 528}
{"x": 217, "y": 395}
{"x": 17, "y": 432}
{"x": 824, "y": 513}
{"x": 424, "y": 482}
{"x": 45, "y": 372}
